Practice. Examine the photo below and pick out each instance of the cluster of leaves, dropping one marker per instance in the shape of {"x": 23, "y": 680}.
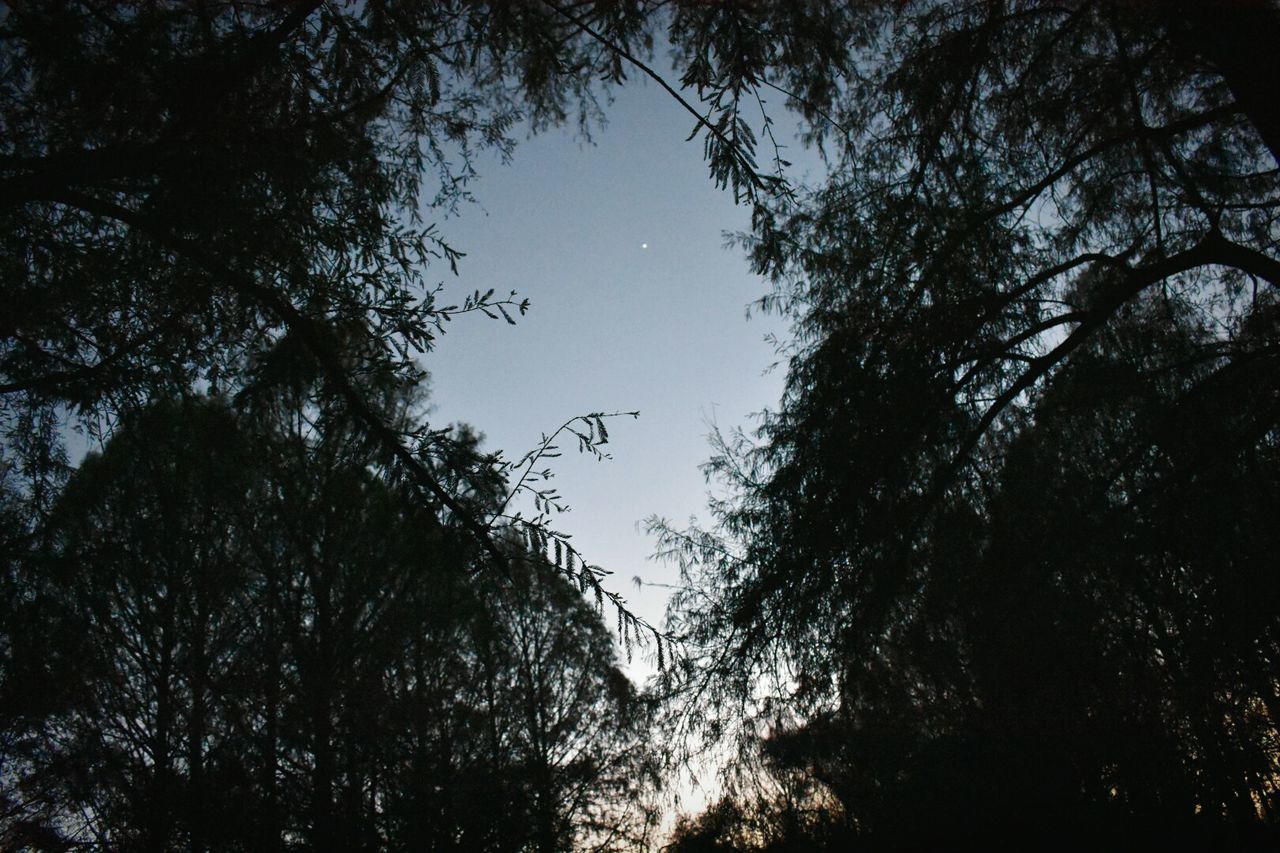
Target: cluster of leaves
{"x": 1000, "y": 562}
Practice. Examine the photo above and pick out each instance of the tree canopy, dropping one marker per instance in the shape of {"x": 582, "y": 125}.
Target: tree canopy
{"x": 1000, "y": 559}
{"x": 253, "y": 638}
{"x": 999, "y": 562}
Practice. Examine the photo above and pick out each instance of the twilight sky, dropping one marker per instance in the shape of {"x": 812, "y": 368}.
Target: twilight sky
{"x": 613, "y": 325}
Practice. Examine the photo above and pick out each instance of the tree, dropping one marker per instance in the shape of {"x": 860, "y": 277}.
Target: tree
{"x": 581, "y": 729}
{"x": 278, "y": 646}
{"x": 1048, "y": 233}
{"x": 779, "y": 809}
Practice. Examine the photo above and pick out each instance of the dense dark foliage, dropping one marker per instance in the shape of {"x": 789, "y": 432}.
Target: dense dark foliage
{"x": 1003, "y": 561}
{"x": 1000, "y": 564}
{"x": 239, "y": 634}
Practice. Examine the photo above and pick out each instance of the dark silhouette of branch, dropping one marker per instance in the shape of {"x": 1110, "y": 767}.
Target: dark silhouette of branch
{"x": 313, "y": 338}
{"x": 1213, "y": 250}
{"x": 58, "y": 378}
{"x": 758, "y": 182}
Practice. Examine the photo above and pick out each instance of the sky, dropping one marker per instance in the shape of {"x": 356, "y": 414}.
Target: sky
{"x": 636, "y": 304}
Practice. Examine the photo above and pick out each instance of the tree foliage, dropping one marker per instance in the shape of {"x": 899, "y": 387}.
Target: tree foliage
{"x": 257, "y": 640}
{"x": 1001, "y": 558}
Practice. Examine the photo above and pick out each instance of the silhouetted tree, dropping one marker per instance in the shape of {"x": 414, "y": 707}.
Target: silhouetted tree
{"x": 275, "y": 646}
{"x": 997, "y": 563}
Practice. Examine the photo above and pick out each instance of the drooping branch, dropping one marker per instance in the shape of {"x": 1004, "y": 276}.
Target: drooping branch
{"x": 72, "y": 375}
{"x": 311, "y": 335}
{"x": 595, "y": 435}
{"x": 1227, "y": 253}
{"x": 757, "y": 182}
{"x": 1006, "y": 349}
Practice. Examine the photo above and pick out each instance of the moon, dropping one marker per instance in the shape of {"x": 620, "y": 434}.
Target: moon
{"x": 644, "y": 245}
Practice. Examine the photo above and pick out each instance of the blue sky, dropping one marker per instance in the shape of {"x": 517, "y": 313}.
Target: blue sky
{"x": 613, "y": 326}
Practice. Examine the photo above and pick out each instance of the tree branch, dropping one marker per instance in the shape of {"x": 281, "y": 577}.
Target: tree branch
{"x": 313, "y": 338}
{"x": 88, "y": 371}
{"x": 1213, "y": 250}
{"x": 757, "y": 182}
